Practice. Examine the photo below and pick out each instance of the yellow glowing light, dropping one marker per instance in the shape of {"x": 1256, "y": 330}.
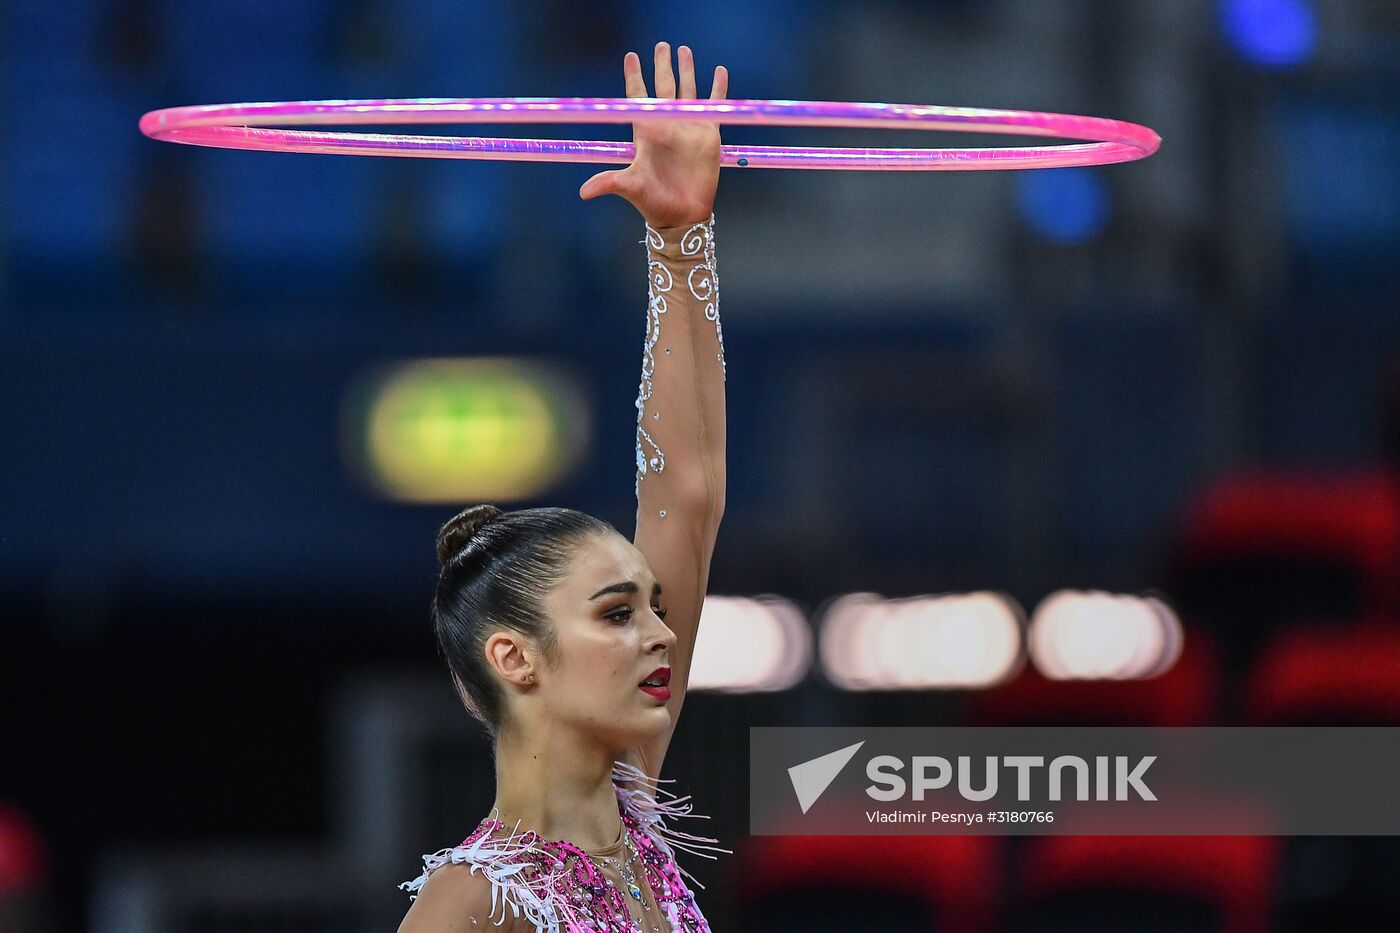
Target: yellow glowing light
{"x": 455, "y": 430}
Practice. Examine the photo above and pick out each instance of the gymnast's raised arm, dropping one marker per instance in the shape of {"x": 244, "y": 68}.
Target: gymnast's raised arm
{"x": 680, "y": 454}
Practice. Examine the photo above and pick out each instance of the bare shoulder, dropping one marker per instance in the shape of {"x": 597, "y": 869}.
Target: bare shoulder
{"x": 455, "y": 899}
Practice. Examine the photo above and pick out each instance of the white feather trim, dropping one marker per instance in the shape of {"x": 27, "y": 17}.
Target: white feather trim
{"x": 501, "y": 862}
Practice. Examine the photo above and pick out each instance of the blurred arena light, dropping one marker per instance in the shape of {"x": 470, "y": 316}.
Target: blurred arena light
{"x": 955, "y": 640}
{"x": 750, "y": 645}
{"x": 1270, "y": 33}
{"x": 463, "y": 429}
{"x": 1064, "y": 205}
{"x": 1092, "y": 635}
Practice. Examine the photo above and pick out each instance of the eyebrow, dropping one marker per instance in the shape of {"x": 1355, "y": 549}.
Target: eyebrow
{"x": 626, "y": 586}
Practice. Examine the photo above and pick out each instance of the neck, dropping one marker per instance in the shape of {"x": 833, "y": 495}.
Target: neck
{"x": 557, "y": 786}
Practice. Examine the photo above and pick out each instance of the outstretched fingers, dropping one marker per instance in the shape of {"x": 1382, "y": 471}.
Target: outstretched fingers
{"x": 665, "y": 80}
{"x": 719, "y": 87}
{"x": 632, "y": 75}
{"x": 685, "y": 60}
{"x": 636, "y": 84}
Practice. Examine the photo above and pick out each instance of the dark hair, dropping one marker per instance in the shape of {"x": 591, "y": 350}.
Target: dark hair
{"x": 496, "y": 569}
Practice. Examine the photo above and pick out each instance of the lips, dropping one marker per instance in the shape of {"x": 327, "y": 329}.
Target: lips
{"x": 657, "y": 684}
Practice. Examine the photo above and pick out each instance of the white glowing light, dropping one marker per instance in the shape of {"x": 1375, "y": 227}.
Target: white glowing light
{"x": 750, "y": 645}
{"x": 921, "y": 642}
{"x": 841, "y": 649}
{"x": 1093, "y": 635}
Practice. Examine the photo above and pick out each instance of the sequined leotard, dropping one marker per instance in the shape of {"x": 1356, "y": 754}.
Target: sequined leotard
{"x": 632, "y": 886}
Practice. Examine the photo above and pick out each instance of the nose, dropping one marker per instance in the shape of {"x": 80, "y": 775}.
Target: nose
{"x": 661, "y": 637}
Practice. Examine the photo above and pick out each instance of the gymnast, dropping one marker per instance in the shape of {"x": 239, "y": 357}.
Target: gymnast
{"x": 572, "y": 645}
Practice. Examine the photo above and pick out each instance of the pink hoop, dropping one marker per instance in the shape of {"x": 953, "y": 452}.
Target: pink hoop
{"x": 244, "y": 126}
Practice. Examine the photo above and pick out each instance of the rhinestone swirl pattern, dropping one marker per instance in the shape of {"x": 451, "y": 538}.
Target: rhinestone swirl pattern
{"x": 697, "y": 244}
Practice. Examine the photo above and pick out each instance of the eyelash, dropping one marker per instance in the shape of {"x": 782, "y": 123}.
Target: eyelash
{"x": 626, "y": 613}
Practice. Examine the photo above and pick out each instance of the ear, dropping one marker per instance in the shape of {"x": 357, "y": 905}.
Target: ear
{"x": 505, "y": 651}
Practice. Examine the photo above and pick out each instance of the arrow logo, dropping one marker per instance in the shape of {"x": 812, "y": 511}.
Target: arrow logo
{"x": 811, "y": 778}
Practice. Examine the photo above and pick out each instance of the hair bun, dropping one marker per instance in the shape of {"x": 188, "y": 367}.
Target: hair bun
{"x": 454, "y": 535}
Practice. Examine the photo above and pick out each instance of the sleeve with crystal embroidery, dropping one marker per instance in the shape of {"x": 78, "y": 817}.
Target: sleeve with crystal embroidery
{"x": 680, "y": 400}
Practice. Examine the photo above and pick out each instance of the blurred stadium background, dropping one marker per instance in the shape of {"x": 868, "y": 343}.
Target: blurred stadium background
{"x": 1113, "y": 446}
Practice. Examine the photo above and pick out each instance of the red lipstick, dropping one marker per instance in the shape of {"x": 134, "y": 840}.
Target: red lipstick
{"x": 656, "y": 684}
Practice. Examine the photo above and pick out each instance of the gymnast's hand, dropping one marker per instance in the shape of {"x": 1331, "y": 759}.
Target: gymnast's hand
{"x": 675, "y": 171}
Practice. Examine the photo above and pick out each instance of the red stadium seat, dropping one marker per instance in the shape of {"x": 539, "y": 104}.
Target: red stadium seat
{"x": 951, "y": 884}
{"x": 1323, "y": 675}
{"x": 1184, "y": 695}
{"x": 1142, "y": 883}
{"x": 1353, "y": 515}
{"x": 1266, "y": 548}
{"x": 23, "y": 861}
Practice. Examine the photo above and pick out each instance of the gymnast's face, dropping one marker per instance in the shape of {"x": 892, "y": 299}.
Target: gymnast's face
{"x": 610, "y": 637}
